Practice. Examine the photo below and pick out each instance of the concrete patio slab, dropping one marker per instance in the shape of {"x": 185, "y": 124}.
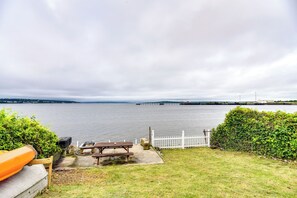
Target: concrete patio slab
{"x": 140, "y": 157}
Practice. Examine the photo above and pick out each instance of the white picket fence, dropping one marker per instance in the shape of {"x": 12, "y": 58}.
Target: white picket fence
{"x": 180, "y": 141}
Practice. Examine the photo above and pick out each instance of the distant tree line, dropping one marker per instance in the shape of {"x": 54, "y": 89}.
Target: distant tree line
{"x": 241, "y": 103}
{"x": 19, "y": 100}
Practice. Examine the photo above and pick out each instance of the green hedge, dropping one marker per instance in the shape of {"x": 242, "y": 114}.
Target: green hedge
{"x": 272, "y": 134}
{"x": 16, "y": 131}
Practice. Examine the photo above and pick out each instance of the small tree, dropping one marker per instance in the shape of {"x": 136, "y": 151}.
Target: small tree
{"x": 16, "y": 131}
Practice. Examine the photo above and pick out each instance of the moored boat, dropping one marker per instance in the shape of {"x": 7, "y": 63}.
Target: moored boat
{"x": 12, "y": 162}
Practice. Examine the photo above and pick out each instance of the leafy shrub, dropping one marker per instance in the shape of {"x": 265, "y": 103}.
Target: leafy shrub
{"x": 272, "y": 134}
{"x": 16, "y": 131}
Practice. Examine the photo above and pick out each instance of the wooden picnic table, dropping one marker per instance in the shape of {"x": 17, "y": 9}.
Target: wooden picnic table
{"x": 113, "y": 145}
{"x": 101, "y": 146}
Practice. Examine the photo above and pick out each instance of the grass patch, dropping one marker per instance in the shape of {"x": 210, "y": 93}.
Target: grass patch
{"x": 197, "y": 172}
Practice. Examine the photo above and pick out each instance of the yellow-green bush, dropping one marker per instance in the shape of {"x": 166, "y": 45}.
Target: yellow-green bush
{"x": 16, "y": 131}
{"x": 272, "y": 134}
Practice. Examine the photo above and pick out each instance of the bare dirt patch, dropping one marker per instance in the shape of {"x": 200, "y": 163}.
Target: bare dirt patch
{"x": 77, "y": 176}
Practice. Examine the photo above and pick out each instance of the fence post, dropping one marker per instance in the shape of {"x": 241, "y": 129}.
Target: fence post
{"x": 208, "y": 137}
{"x": 183, "y": 139}
{"x": 205, "y": 137}
{"x": 150, "y": 135}
{"x": 153, "y": 138}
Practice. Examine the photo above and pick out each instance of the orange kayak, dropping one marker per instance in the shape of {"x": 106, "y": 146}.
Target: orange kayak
{"x": 12, "y": 162}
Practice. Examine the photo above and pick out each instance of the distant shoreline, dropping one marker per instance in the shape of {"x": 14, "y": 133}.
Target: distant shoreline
{"x": 218, "y": 103}
{"x": 32, "y": 101}
{"x": 48, "y": 101}
{"x": 241, "y": 103}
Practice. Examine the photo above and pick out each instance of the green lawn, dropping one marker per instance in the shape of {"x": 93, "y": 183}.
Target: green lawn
{"x": 199, "y": 172}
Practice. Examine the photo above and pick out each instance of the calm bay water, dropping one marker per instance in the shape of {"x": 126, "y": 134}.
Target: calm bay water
{"x": 118, "y": 122}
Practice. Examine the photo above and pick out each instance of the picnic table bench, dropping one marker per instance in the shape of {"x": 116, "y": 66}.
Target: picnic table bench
{"x": 112, "y": 145}
{"x": 98, "y": 155}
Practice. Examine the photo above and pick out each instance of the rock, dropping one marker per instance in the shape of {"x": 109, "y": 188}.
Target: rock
{"x": 145, "y": 143}
{"x": 71, "y": 150}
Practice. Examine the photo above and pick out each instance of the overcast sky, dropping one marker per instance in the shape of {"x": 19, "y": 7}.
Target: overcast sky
{"x": 134, "y": 49}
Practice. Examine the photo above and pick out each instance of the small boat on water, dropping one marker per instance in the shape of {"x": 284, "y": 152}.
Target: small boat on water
{"x": 12, "y": 162}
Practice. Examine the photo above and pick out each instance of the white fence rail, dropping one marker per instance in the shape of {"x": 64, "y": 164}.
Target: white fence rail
{"x": 181, "y": 141}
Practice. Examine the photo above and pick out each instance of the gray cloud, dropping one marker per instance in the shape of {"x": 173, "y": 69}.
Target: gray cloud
{"x": 148, "y": 49}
